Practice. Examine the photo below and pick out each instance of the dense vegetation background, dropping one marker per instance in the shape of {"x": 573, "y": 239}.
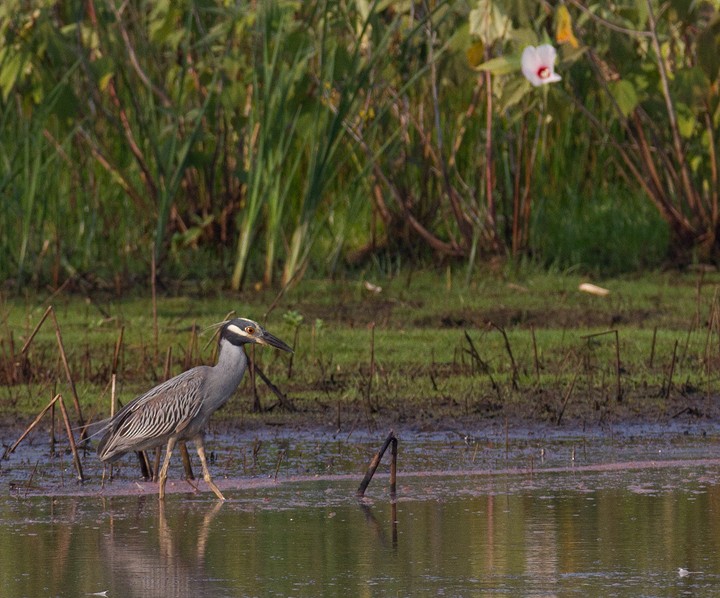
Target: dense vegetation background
{"x": 250, "y": 142}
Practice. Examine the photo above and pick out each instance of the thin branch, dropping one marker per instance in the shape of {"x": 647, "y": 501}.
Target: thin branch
{"x": 609, "y": 24}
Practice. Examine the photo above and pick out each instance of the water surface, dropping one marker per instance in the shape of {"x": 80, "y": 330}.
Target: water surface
{"x": 533, "y": 516}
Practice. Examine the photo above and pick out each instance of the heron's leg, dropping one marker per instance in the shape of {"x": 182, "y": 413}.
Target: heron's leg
{"x": 166, "y": 464}
{"x": 206, "y": 472}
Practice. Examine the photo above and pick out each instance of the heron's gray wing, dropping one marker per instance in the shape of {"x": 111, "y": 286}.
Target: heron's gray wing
{"x": 150, "y": 419}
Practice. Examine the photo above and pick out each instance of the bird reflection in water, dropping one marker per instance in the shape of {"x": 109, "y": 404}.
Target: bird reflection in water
{"x": 172, "y": 564}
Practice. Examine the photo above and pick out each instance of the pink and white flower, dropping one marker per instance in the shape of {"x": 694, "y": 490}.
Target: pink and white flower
{"x": 538, "y": 64}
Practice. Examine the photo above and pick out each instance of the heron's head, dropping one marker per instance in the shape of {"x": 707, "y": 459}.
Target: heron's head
{"x": 241, "y": 331}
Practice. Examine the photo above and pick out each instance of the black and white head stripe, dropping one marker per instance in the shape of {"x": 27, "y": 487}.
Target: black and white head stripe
{"x": 240, "y": 331}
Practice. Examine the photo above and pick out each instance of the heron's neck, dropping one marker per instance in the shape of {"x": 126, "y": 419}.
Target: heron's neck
{"x": 227, "y": 373}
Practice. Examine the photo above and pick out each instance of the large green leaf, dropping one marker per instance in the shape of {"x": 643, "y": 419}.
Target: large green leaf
{"x": 502, "y": 65}
{"x": 624, "y": 94}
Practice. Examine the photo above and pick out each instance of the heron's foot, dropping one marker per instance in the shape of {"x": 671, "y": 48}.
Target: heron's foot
{"x": 214, "y": 488}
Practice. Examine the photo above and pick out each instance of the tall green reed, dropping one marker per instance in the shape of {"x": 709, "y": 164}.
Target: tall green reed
{"x": 271, "y": 130}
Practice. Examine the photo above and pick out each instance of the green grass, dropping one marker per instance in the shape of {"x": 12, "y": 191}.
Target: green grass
{"x": 423, "y": 370}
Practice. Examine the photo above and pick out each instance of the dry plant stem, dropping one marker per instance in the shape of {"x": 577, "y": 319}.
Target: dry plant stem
{"x": 489, "y": 198}
{"x": 113, "y": 407}
{"x": 290, "y": 360}
{"x": 481, "y": 365}
{"x": 609, "y": 24}
{"x": 29, "y": 429}
{"x": 371, "y": 375}
{"x": 535, "y": 355}
{"x": 30, "y": 479}
{"x": 567, "y": 397}
{"x": 50, "y": 311}
{"x": 168, "y": 363}
{"x": 391, "y": 439}
{"x": 257, "y": 407}
{"x": 691, "y": 195}
{"x": 118, "y": 347}
{"x": 71, "y": 439}
{"x": 153, "y": 288}
{"x": 510, "y": 354}
{"x": 652, "y": 347}
{"x": 52, "y": 429}
{"x": 284, "y": 401}
{"x": 66, "y": 366}
{"x": 147, "y": 177}
{"x": 281, "y": 456}
{"x": 68, "y": 428}
{"x": 460, "y": 216}
{"x": 672, "y": 371}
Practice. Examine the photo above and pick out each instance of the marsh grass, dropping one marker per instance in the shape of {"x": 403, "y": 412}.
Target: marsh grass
{"x": 422, "y": 369}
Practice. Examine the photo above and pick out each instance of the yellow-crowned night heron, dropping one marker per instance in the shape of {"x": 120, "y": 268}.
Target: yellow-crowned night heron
{"x": 180, "y": 408}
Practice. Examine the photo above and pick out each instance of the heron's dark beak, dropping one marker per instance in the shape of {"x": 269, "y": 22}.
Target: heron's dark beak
{"x": 272, "y": 341}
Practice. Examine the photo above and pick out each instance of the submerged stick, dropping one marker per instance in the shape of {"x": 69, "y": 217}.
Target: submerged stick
{"x": 391, "y": 439}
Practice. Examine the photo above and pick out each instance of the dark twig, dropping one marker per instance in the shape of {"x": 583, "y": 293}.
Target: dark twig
{"x": 510, "y": 354}
{"x": 391, "y": 439}
{"x": 284, "y": 401}
{"x": 567, "y": 398}
{"x": 672, "y": 371}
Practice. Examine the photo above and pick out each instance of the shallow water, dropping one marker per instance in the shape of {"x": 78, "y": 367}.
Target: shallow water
{"x": 533, "y": 514}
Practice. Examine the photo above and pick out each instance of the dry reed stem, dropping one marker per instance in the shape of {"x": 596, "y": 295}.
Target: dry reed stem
{"x": 68, "y": 428}
{"x": 391, "y": 439}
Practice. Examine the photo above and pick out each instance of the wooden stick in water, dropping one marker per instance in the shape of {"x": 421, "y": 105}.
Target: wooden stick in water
{"x": 391, "y": 439}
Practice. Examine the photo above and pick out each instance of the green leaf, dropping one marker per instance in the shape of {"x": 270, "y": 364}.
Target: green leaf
{"x": 686, "y": 120}
{"x": 514, "y": 91}
{"x": 691, "y": 86}
{"x": 707, "y": 50}
{"x": 623, "y": 92}
{"x": 10, "y": 72}
{"x": 502, "y": 65}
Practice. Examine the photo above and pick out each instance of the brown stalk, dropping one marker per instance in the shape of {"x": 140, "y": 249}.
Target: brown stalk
{"x": 371, "y": 375}
{"x": 391, "y": 439}
{"x": 690, "y": 192}
{"x": 672, "y": 371}
{"x": 535, "y": 355}
{"x": 515, "y": 375}
{"x": 567, "y": 397}
{"x": 71, "y": 439}
{"x": 68, "y": 428}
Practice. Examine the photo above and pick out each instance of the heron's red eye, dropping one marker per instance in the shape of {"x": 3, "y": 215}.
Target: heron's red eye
{"x": 250, "y": 330}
